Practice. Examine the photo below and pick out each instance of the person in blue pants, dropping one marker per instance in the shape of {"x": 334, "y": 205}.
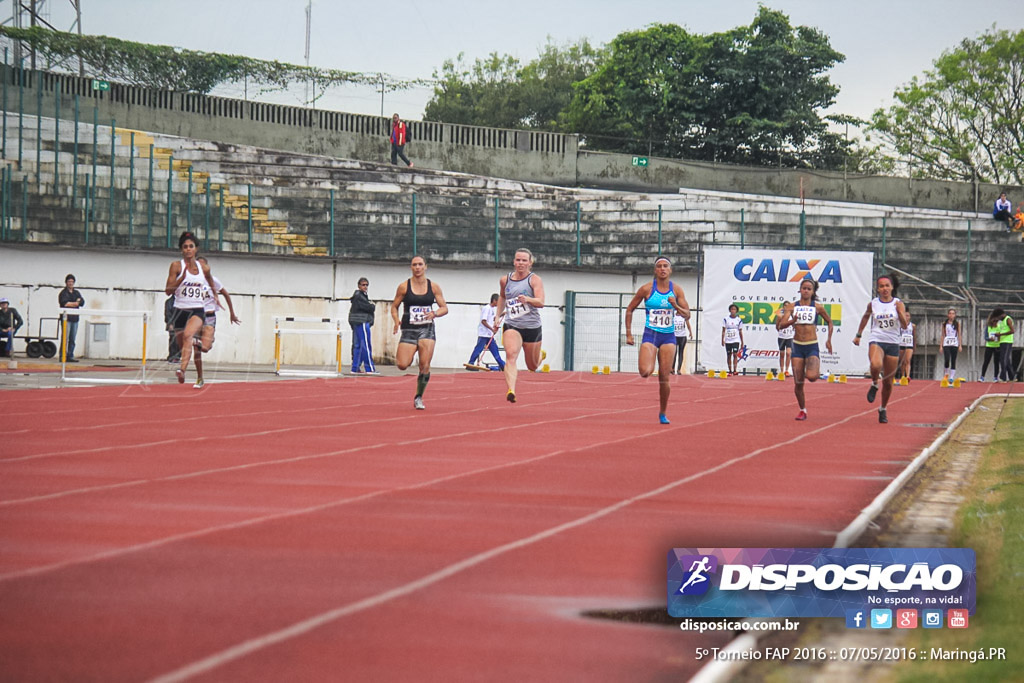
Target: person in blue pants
{"x": 485, "y": 335}
{"x": 360, "y": 319}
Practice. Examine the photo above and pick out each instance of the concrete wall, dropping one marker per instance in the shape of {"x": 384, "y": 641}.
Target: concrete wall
{"x": 521, "y": 155}
{"x": 264, "y": 287}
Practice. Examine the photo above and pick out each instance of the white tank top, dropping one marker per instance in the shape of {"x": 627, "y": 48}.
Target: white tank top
{"x": 189, "y": 293}
{"x": 804, "y": 315}
{"x": 952, "y": 337}
{"x": 885, "y": 322}
{"x": 907, "y": 336}
{"x": 210, "y": 302}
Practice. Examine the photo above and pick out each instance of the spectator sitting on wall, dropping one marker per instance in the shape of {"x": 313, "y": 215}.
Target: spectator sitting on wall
{"x": 1017, "y": 222}
{"x": 10, "y": 323}
{"x": 1001, "y": 210}
{"x": 399, "y": 136}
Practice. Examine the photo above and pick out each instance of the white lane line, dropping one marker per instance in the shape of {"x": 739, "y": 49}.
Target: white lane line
{"x": 247, "y": 647}
{"x": 117, "y": 552}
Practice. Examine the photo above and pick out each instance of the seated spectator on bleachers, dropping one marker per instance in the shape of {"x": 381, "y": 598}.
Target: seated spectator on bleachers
{"x": 10, "y": 322}
{"x": 1001, "y": 210}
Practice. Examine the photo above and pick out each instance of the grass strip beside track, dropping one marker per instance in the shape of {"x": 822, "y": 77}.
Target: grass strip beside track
{"x": 991, "y": 523}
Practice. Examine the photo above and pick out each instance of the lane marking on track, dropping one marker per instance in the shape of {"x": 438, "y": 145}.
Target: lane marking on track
{"x": 300, "y": 628}
{"x": 198, "y": 533}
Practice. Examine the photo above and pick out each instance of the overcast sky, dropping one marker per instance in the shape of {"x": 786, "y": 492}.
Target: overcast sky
{"x": 886, "y": 42}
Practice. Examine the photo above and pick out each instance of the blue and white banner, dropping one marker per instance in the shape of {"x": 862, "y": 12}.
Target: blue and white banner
{"x": 758, "y": 281}
{"x": 817, "y": 582}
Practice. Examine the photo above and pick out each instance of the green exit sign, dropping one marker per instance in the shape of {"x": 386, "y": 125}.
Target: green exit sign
{"x": 639, "y": 161}
{"x": 100, "y": 85}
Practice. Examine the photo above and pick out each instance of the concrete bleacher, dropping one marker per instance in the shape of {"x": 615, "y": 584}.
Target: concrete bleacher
{"x": 458, "y": 216}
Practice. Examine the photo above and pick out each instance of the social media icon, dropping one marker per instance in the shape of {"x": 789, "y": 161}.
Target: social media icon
{"x": 881, "y": 618}
{"x": 906, "y": 618}
{"x": 957, "y": 618}
{"x": 856, "y": 618}
{"x": 931, "y": 618}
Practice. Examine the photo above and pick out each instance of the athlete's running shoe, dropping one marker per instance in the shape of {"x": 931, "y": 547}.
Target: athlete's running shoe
{"x": 872, "y": 392}
{"x": 199, "y": 384}
{"x": 417, "y": 403}
{"x": 802, "y": 415}
{"x": 180, "y": 374}
{"x": 882, "y": 417}
{"x": 511, "y": 397}
{"x": 982, "y": 379}
{"x": 662, "y": 419}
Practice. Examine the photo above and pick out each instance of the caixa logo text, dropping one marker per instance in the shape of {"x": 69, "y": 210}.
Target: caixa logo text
{"x": 830, "y": 577}
{"x": 787, "y": 270}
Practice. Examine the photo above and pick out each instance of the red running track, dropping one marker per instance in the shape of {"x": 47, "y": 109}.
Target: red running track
{"x": 325, "y": 530}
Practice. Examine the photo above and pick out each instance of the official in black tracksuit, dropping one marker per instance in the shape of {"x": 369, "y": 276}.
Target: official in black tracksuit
{"x": 360, "y": 318}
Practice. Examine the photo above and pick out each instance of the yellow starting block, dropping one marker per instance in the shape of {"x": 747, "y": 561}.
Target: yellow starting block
{"x": 770, "y": 376}
{"x": 711, "y": 373}
{"x": 781, "y": 377}
{"x": 606, "y": 370}
{"x": 594, "y": 370}
{"x": 545, "y": 368}
{"x": 904, "y": 382}
{"x": 954, "y": 384}
{"x": 722, "y": 374}
{"x": 957, "y": 382}
{"x": 945, "y": 383}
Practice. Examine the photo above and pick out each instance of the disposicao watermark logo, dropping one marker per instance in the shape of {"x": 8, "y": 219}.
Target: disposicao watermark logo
{"x": 818, "y": 582}
{"x": 696, "y": 581}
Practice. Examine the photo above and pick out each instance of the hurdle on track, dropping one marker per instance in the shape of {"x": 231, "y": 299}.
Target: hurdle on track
{"x": 65, "y": 312}
{"x": 279, "y": 331}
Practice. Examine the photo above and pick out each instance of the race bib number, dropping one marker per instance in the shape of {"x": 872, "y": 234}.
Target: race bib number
{"x": 418, "y": 315}
{"x": 732, "y": 335}
{"x": 805, "y": 315}
{"x": 515, "y": 309}
{"x": 907, "y": 339}
{"x": 951, "y": 341}
{"x": 659, "y": 317}
{"x": 885, "y": 322}
{"x": 680, "y": 325}
{"x": 193, "y": 292}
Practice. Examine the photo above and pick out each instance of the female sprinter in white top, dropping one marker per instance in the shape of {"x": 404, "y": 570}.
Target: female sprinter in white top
{"x": 887, "y": 316}
{"x": 186, "y": 281}
{"x": 806, "y": 357}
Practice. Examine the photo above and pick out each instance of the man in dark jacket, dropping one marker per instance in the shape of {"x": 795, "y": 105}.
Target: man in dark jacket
{"x": 70, "y": 297}
{"x": 360, "y": 318}
{"x": 10, "y": 321}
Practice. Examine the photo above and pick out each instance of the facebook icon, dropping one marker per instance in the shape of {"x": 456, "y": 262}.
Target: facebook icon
{"x": 855, "y": 618}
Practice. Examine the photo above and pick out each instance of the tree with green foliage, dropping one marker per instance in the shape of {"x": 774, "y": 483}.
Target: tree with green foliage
{"x": 964, "y": 119}
{"x": 749, "y": 95}
{"x": 501, "y": 92}
{"x": 169, "y": 68}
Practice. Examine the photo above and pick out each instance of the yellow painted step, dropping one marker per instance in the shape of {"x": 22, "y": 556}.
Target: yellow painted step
{"x": 290, "y": 240}
{"x": 311, "y": 251}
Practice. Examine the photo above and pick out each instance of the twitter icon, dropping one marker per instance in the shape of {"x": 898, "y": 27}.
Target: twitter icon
{"x": 881, "y": 618}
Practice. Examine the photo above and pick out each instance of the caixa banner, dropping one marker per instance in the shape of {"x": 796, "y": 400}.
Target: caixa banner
{"x": 757, "y": 282}
{"x": 817, "y": 582}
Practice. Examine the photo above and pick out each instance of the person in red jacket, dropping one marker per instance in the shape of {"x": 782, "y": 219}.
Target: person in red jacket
{"x": 399, "y": 136}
